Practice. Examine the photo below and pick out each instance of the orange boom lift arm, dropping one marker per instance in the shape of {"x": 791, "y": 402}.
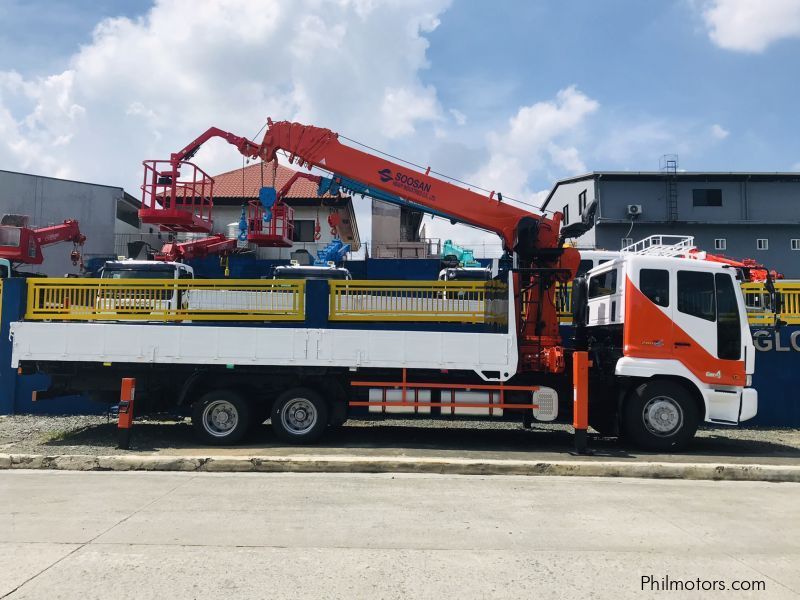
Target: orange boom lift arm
{"x": 542, "y": 260}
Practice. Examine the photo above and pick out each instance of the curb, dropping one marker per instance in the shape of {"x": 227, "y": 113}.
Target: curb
{"x": 378, "y": 464}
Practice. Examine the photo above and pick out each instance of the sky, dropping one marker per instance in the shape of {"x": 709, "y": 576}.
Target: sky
{"x": 507, "y": 95}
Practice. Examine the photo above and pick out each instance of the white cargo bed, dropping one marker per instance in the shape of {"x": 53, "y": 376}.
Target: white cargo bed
{"x": 485, "y": 353}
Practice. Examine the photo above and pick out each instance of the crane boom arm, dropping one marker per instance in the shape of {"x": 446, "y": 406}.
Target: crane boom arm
{"x": 68, "y": 231}
{"x": 519, "y": 229}
{"x": 246, "y": 147}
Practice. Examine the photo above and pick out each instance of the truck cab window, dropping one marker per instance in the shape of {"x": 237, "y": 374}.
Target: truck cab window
{"x": 654, "y": 283}
{"x": 603, "y": 284}
{"x": 729, "y": 330}
{"x": 696, "y": 294}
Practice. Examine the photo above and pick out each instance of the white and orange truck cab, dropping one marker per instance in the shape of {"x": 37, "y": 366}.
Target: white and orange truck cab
{"x": 675, "y": 331}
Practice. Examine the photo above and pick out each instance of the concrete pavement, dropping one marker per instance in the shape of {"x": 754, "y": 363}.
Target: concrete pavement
{"x": 207, "y": 535}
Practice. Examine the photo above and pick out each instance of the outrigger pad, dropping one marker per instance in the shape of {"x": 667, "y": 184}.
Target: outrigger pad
{"x": 267, "y": 196}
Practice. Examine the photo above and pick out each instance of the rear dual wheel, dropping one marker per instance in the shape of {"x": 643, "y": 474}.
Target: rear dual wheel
{"x": 221, "y": 417}
{"x": 299, "y": 416}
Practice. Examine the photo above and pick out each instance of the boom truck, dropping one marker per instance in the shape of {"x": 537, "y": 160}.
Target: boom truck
{"x": 22, "y": 244}
{"x": 668, "y": 336}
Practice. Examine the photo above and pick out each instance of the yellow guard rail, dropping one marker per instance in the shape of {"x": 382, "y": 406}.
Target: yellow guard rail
{"x": 439, "y": 301}
{"x": 75, "y": 299}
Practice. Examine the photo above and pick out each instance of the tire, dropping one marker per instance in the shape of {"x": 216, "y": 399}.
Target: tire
{"x": 660, "y": 415}
{"x": 221, "y": 417}
{"x": 299, "y": 416}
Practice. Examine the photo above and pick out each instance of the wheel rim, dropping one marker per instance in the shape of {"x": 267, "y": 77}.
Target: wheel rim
{"x": 298, "y": 416}
{"x": 662, "y": 416}
{"x": 220, "y": 417}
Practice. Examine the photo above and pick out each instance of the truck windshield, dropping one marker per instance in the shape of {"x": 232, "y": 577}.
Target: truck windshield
{"x": 729, "y": 328}
{"x": 469, "y": 274}
{"x": 311, "y": 273}
{"x": 138, "y": 274}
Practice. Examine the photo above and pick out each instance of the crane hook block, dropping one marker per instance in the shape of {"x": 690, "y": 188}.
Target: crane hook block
{"x": 267, "y": 196}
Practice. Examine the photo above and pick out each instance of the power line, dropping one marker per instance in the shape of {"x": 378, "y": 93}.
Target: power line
{"x": 440, "y": 174}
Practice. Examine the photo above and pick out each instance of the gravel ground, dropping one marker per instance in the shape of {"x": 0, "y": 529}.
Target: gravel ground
{"x": 97, "y": 435}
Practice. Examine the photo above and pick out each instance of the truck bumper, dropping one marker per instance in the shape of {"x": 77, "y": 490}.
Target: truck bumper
{"x": 749, "y": 407}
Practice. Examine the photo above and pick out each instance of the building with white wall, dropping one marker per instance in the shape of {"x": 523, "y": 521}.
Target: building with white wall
{"x": 101, "y": 210}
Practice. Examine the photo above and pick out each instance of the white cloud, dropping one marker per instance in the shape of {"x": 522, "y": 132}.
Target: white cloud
{"x": 143, "y": 88}
{"x": 536, "y": 141}
{"x": 751, "y": 25}
{"x": 459, "y": 117}
{"x": 402, "y": 107}
{"x": 537, "y": 138}
{"x": 718, "y": 132}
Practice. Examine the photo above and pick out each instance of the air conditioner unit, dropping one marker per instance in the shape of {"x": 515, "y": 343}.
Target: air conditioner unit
{"x": 634, "y": 210}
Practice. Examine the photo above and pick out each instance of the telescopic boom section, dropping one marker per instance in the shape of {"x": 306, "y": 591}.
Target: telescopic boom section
{"x": 542, "y": 261}
{"x": 520, "y": 230}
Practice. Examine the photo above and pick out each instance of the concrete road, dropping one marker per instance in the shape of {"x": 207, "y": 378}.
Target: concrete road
{"x": 184, "y": 535}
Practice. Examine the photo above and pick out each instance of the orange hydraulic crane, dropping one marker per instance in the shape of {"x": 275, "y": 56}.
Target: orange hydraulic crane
{"x": 20, "y": 243}
{"x": 536, "y": 240}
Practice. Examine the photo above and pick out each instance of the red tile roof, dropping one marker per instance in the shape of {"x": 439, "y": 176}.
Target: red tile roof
{"x": 232, "y": 185}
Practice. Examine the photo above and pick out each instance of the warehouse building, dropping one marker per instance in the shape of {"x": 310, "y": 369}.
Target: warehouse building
{"x": 48, "y": 201}
{"x": 741, "y": 215}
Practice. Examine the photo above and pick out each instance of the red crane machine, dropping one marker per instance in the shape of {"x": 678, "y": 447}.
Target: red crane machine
{"x": 22, "y": 244}
{"x": 184, "y": 203}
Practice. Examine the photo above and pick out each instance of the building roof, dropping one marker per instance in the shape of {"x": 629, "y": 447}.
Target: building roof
{"x": 245, "y": 183}
{"x": 681, "y": 175}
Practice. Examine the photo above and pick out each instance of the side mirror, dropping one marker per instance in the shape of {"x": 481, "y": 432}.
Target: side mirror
{"x": 579, "y": 301}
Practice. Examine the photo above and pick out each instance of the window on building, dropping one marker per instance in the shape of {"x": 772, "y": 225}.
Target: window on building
{"x": 720, "y": 244}
{"x": 303, "y": 230}
{"x": 654, "y": 283}
{"x": 565, "y": 210}
{"x": 696, "y": 294}
{"x": 581, "y": 202}
{"x": 762, "y": 244}
{"x": 626, "y": 242}
{"x": 603, "y": 284}
{"x": 796, "y": 244}
{"x": 707, "y": 197}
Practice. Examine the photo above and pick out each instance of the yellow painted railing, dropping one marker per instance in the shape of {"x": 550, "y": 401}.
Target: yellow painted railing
{"x": 165, "y": 300}
{"x": 755, "y": 299}
{"x": 439, "y": 301}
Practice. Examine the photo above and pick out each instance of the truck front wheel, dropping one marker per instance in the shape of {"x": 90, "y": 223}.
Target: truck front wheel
{"x": 660, "y": 415}
{"x": 299, "y": 416}
{"x": 221, "y": 417}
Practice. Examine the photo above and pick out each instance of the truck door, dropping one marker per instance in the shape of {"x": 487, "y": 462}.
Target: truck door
{"x": 708, "y": 337}
{"x": 650, "y": 305}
